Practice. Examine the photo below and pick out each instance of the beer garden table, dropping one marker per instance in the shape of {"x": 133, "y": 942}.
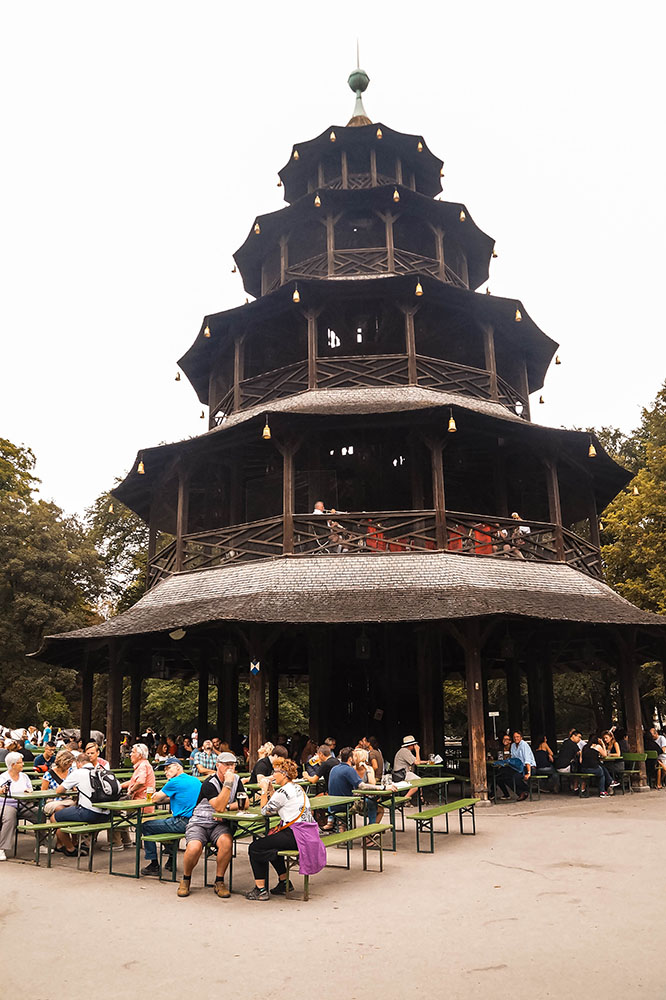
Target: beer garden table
{"x": 389, "y": 796}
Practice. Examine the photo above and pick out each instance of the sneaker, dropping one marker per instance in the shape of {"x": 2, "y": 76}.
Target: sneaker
{"x": 615, "y": 784}
{"x": 221, "y": 889}
{"x": 604, "y": 795}
{"x": 116, "y": 847}
{"x": 3, "y": 856}
{"x": 257, "y": 893}
{"x": 184, "y": 887}
{"x": 151, "y": 869}
{"x": 69, "y": 854}
{"x": 43, "y": 849}
{"x": 281, "y": 888}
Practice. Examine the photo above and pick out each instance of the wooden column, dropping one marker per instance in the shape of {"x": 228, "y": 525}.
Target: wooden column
{"x": 373, "y": 167}
{"x": 390, "y": 246}
{"x": 438, "y": 498}
{"x": 499, "y": 473}
{"x": 398, "y": 170}
{"x": 491, "y": 364}
{"x": 202, "y": 701}
{"x": 424, "y": 681}
{"x": 554, "y": 507}
{"x": 114, "y": 705}
{"x": 320, "y": 174}
{"x": 439, "y": 239}
{"x": 87, "y": 681}
{"x": 135, "y": 703}
{"x": 344, "y": 169}
{"x": 593, "y": 517}
{"x": 219, "y": 720}
{"x": 288, "y": 449}
{"x": 475, "y": 719}
{"x": 410, "y": 346}
{"x": 415, "y": 474}
{"x": 239, "y": 374}
{"x": 273, "y": 701}
{"x": 318, "y": 681}
{"x": 229, "y": 694}
{"x": 514, "y": 701}
{"x": 257, "y": 714}
{"x": 182, "y": 516}
{"x": 284, "y": 258}
{"x": 236, "y": 513}
{"x": 524, "y": 387}
{"x": 534, "y": 702}
{"x": 629, "y": 674}
{"x": 330, "y": 245}
{"x": 152, "y": 541}
{"x": 312, "y": 349}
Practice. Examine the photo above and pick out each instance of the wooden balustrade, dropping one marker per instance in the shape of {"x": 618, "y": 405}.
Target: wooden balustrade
{"x": 367, "y": 370}
{"x": 382, "y": 532}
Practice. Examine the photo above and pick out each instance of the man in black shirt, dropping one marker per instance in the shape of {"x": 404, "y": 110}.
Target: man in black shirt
{"x": 326, "y": 764}
{"x": 568, "y": 756}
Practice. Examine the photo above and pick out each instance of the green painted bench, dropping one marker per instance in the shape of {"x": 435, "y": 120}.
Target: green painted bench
{"x": 370, "y": 837}
{"x": 425, "y": 820}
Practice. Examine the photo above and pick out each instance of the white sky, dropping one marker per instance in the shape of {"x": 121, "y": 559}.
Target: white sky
{"x": 139, "y": 141}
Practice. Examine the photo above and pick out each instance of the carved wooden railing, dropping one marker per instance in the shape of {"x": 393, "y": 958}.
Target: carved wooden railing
{"x": 363, "y": 371}
{"x": 382, "y": 532}
{"x": 366, "y": 260}
{"x": 356, "y": 181}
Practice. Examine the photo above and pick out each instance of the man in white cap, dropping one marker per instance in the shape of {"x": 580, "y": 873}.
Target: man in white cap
{"x": 407, "y": 757}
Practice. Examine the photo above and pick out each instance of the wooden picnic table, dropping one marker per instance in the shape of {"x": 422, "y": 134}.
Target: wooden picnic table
{"x": 389, "y": 796}
{"x": 39, "y": 797}
{"x": 116, "y": 811}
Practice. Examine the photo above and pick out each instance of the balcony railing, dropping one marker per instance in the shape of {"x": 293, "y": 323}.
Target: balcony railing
{"x": 368, "y": 371}
{"x": 379, "y": 533}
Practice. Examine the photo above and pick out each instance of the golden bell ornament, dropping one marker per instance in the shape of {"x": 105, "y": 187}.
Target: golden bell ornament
{"x": 177, "y": 378}
{"x": 419, "y": 147}
{"x": 636, "y": 491}
{"x": 295, "y": 154}
{"x": 419, "y": 289}
{"x": 141, "y": 469}
{"x": 462, "y": 215}
{"x": 257, "y": 228}
{"x": 202, "y": 415}
{"x": 487, "y": 291}
{"x": 541, "y": 400}
{"x": 441, "y": 172}
{"x": 332, "y": 137}
{"x": 317, "y": 201}
{"x": 396, "y": 195}
{"x": 279, "y": 184}
{"x": 557, "y": 360}
{"x": 379, "y": 134}
{"x": 519, "y": 316}
{"x": 452, "y": 424}
{"x": 296, "y": 296}
{"x": 207, "y": 333}
{"x": 591, "y": 451}
{"x": 110, "y": 508}
{"x": 494, "y": 255}
{"x": 234, "y": 269}
{"x": 266, "y": 433}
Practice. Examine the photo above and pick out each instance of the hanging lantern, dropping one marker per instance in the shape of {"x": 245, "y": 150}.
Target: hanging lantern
{"x": 110, "y": 508}
{"x": 207, "y": 332}
{"x": 519, "y": 316}
{"x": 257, "y": 228}
{"x": 177, "y": 378}
{"x": 636, "y": 491}
{"x": 419, "y": 147}
{"x": 557, "y": 360}
{"x": 332, "y": 136}
{"x": 141, "y": 469}
{"x": 295, "y": 154}
{"x": 541, "y": 399}
{"x": 317, "y": 201}
{"x": 296, "y": 296}
{"x": 266, "y": 433}
{"x": 452, "y": 424}
{"x": 591, "y": 451}
{"x": 396, "y": 195}
{"x": 419, "y": 289}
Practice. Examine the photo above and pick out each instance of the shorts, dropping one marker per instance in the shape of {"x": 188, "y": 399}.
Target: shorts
{"x": 206, "y": 833}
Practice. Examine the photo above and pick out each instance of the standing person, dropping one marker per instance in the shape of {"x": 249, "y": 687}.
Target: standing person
{"x": 406, "y": 759}
{"x": 46, "y": 732}
{"x": 218, "y": 793}
{"x": 182, "y": 791}
{"x": 195, "y": 739}
{"x": 297, "y": 831}
{"x": 12, "y": 782}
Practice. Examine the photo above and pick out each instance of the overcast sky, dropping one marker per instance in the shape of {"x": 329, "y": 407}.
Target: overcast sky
{"x": 140, "y": 140}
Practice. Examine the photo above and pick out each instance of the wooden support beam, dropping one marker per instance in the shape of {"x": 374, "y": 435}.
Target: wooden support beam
{"x": 219, "y": 715}
{"x": 114, "y": 705}
{"x": 228, "y": 693}
{"x": 135, "y": 703}
{"x": 284, "y": 258}
{"x": 320, "y": 174}
{"x": 373, "y": 167}
{"x": 629, "y": 674}
{"x": 236, "y": 511}
{"x": 257, "y": 714}
{"x": 438, "y": 496}
{"x": 344, "y": 168}
{"x": 439, "y": 240}
{"x": 87, "y": 683}
{"x": 202, "y": 700}
{"x": 424, "y": 656}
{"x": 330, "y": 245}
{"x": 389, "y": 219}
{"x": 534, "y": 702}
{"x": 288, "y": 448}
{"x": 410, "y": 346}
{"x": 554, "y": 505}
{"x": 499, "y": 475}
{"x": 398, "y": 170}
{"x": 514, "y": 701}
{"x": 593, "y": 517}
{"x": 475, "y": 718}
{"x": 239, "y": 365}
{"x": 524, "y": 387}
{"x": 491, "y": 363}
{"x": 312, "y": 348}
{"x": 548, "y": 701}
{"x": 182, "y": 516}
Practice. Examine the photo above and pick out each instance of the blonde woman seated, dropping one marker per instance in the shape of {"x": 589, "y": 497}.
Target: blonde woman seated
{"x": 374, "y": 810}
{"x": 297, "y": 832}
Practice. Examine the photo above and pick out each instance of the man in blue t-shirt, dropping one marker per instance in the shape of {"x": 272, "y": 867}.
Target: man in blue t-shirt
{"x": 342, "y": 780}
{"x": 182, "y": 790}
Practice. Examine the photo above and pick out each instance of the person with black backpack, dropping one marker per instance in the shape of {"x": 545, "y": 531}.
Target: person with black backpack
{"x": 86, "y": 779}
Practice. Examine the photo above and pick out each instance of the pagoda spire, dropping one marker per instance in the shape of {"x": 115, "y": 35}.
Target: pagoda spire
{"x": 358, "y": 81}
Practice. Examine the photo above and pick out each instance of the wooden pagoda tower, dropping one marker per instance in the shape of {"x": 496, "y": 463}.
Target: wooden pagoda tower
{"x": 371, "y": 375}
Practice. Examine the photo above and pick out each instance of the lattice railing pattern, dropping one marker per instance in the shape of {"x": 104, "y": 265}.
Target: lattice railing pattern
{"x": 357, "y": 181}
{"x": 369, "y": 532}
{"x": 377, "y": 370}
{"x": 274, "y": 385}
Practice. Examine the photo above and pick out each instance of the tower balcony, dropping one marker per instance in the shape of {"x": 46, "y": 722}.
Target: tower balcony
{"x": 378, "y": 533}
{"x": 379, "y": 370}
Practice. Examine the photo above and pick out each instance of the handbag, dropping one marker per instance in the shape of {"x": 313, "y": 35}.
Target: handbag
{"x": 398, "y": 775}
